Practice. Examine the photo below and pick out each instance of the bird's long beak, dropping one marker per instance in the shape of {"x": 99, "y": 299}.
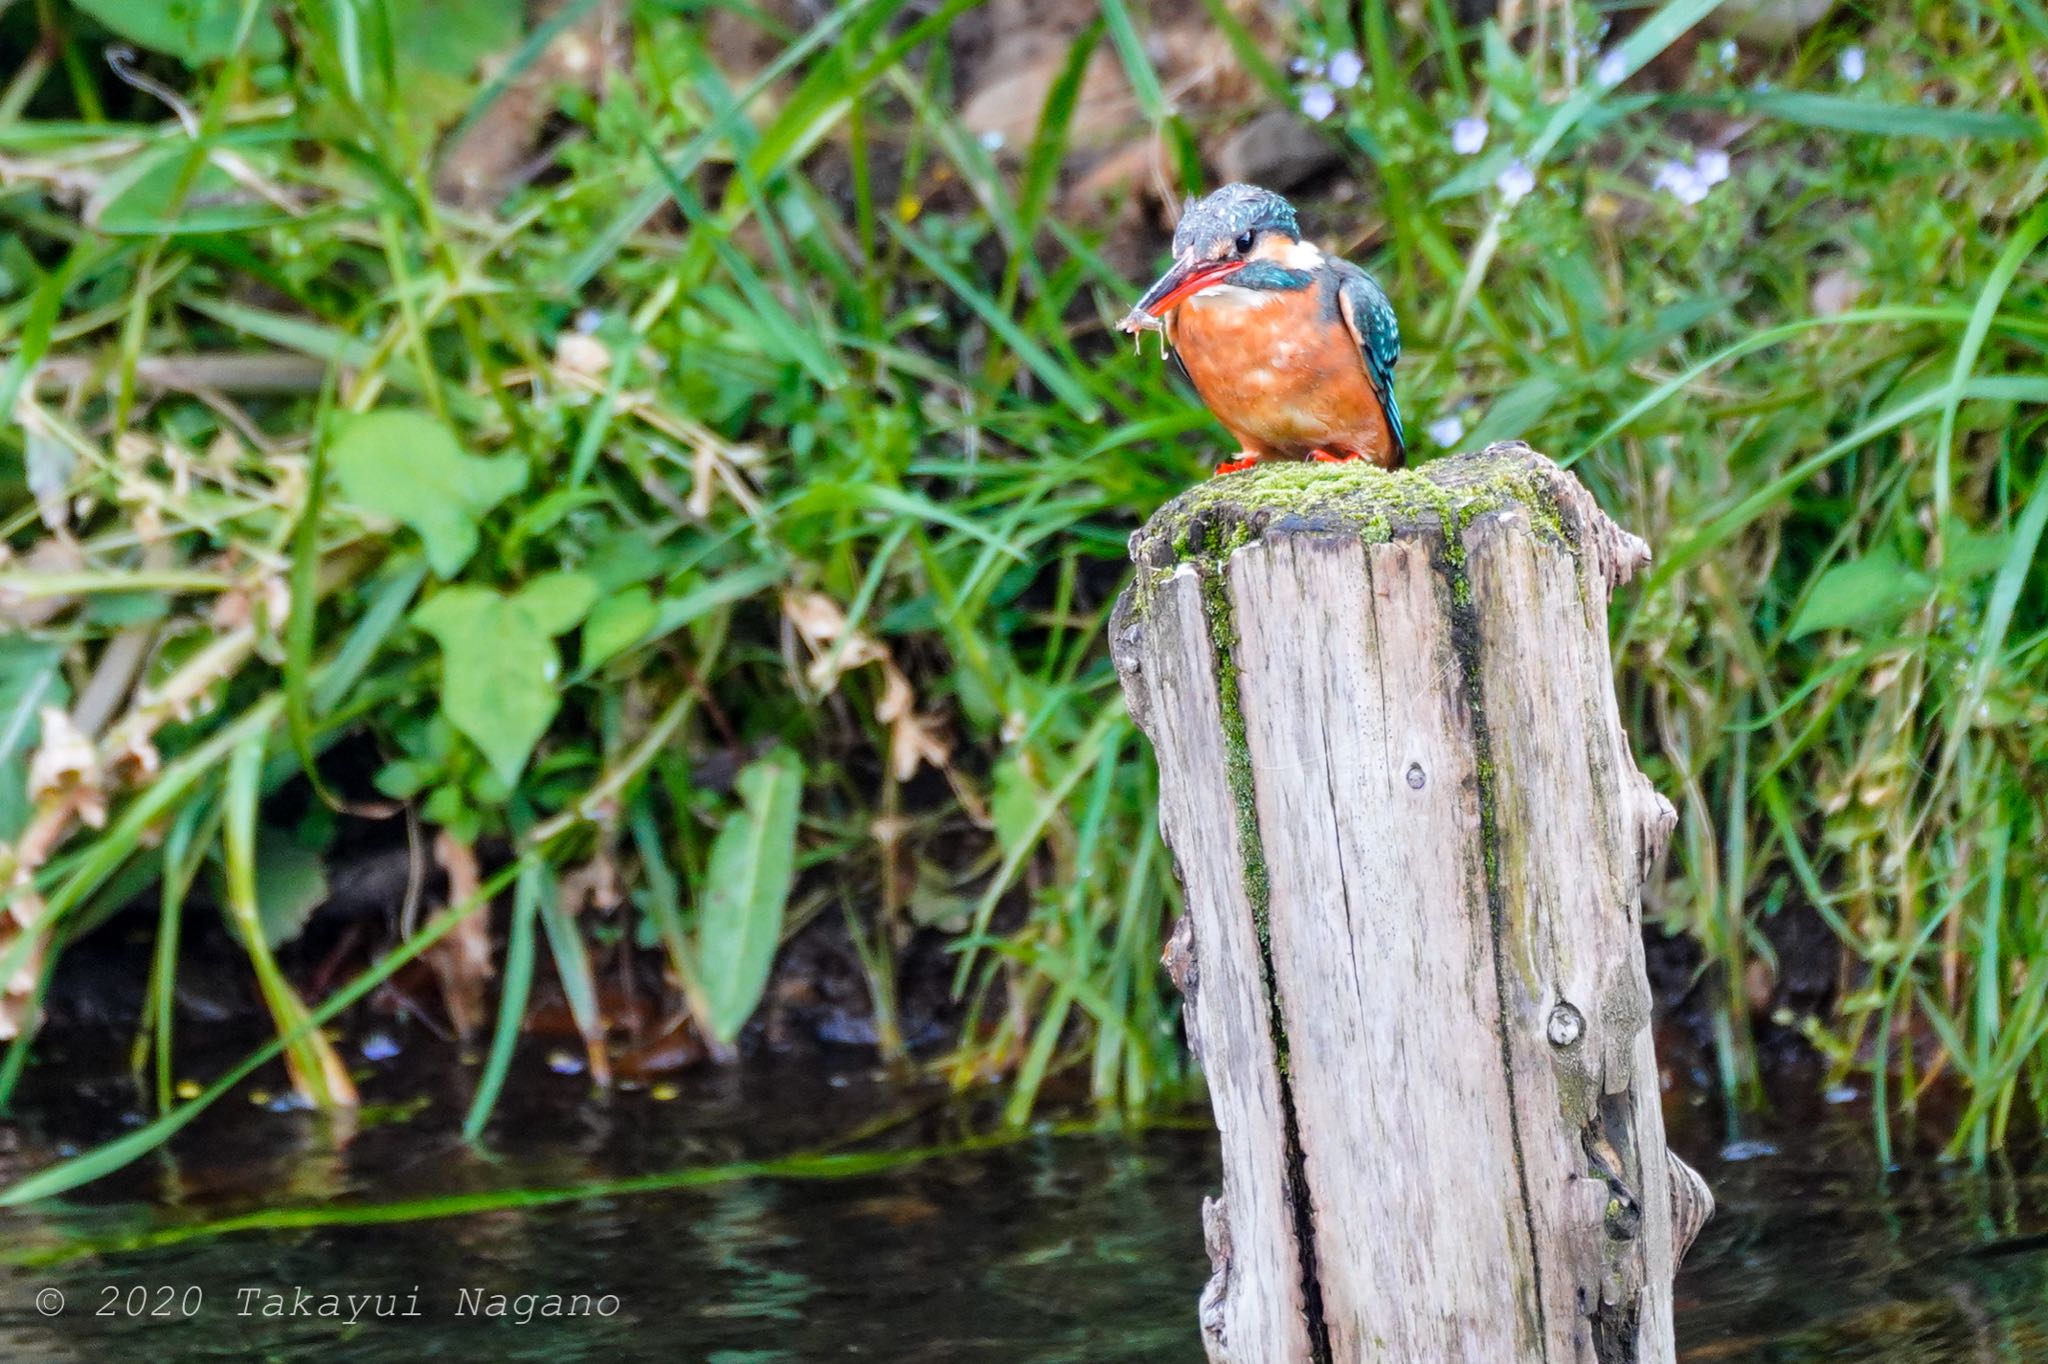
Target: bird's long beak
{"x": 1183, "y": 278}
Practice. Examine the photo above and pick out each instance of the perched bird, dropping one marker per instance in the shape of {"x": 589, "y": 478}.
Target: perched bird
{"x": 1292, "y": 350}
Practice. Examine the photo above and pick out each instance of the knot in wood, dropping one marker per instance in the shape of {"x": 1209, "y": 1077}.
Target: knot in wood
{"x": 1415, "y": 776}
{"x": 1624, "y": 1214}
{"x": 1567, "y": 1025}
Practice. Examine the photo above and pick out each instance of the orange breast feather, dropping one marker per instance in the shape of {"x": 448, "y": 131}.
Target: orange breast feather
{"x": 1282, "y": 374}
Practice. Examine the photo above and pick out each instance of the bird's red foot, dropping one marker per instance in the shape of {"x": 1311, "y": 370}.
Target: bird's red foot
{"x": 1325, "y": 457}
{"x": 1231, "y": 466}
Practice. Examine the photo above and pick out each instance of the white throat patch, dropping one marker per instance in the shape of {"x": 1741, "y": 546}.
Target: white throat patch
{"x": 1302, "y": 256}
{"x": 1229, "y": 295}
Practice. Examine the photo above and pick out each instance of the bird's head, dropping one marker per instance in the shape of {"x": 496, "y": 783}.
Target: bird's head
{"x": 1218, "y": 237}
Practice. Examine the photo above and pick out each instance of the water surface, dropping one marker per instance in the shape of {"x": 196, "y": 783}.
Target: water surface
{"x": 1053, "y": 1248}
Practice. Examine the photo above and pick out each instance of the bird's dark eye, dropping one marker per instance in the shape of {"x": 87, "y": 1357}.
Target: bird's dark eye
{"x": 1245, "y": 241}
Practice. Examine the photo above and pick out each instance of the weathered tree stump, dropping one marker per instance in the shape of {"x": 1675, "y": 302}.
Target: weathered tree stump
{"x": 1412, "y": 838}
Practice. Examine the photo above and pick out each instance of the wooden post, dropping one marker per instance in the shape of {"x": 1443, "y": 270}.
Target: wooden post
{"x": 1412, "y": 839}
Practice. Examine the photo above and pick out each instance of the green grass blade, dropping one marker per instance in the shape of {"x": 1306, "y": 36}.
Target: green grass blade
{"x": 183, "y": 853}
{"x": 572, "y": 968}
{"x": 1055, "y": 376}
{"x": 104, "y": 1160}
{"x": 515, "y": 988}
{"x": 1989, "y": 299}
{"x": 317, "y": 1072}
{"x": 1842, "y": 113}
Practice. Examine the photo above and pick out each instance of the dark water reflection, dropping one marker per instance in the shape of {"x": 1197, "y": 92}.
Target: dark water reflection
{"x": 1056, "y": 1248}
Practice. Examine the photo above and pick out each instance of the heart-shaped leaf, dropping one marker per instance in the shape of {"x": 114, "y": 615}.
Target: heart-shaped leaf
{"x": 500, "y": 673}
{"x": 557, "y": 601}
{"x": 408, "y": 466}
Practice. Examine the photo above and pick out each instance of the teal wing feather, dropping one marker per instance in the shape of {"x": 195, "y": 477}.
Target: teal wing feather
{"x": 1373, "y": 325}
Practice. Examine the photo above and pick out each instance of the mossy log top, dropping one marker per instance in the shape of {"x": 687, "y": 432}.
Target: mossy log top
{"x": 1212, "y": 520}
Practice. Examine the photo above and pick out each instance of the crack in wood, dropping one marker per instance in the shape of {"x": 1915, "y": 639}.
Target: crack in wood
{"x": 1258, "y": 889}
{"x": 1465, "y": 643}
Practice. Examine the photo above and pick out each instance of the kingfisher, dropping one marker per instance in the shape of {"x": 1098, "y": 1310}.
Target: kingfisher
{"x": 1292, "y": 350}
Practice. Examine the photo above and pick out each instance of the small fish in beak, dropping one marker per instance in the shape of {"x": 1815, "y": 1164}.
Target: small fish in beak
{"x": 1137, "y": 320}
{"x": 1185, "y": 278}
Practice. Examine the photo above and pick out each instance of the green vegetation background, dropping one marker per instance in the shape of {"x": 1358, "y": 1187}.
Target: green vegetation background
{"x": 709, "y": 517}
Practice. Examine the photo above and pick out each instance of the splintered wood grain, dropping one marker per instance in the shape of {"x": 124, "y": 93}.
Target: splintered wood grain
{"x": 1255, "y": 1313}
{"x": 1453, "y": 835}
{"x": 1366, "y": 777}
{"x": 1569, "y": 807}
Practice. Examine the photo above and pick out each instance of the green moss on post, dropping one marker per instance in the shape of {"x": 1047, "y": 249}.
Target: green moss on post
{"x": 1222, "y": 630}
{"x": 1208, "y": 523}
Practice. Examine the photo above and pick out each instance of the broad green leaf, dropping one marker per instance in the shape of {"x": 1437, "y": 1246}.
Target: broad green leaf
{"x": 753, "y": 862}
{"x": 557, "y": 601}
{"x": 403, "y": 778}
{"x": 1874, "y": 590}
{"x": 291, "y": 882}
{"x": 500, "y": 675}
{"x": 617, "y": 623}
{"x": 193, "y": 31}
{"x": 451, "y": 36}
{"x": 408, "y": 466}
{"x": 30, "y": 678}
{"x": 1013, "y": 805}
{"x": 1967, "y": 554}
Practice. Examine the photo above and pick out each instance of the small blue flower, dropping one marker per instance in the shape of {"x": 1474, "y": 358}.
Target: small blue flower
{"x": 1446, "y": 431}
{"x": 379, "y": 1046}
{"x": 1345, "y": 69}
{"x": 1515, "y": 182}
{"x": 1468, "y": 135}
{"x": 1613, "y": 68}
{"x": 1318, "y": 100}
{"x": 992, "y": 140}
{"x": 1681, "y": 182}
{"x": 1728, "y": 55}
{"x": 1850, "y": 65}
{"x": 1689, "y": 182}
